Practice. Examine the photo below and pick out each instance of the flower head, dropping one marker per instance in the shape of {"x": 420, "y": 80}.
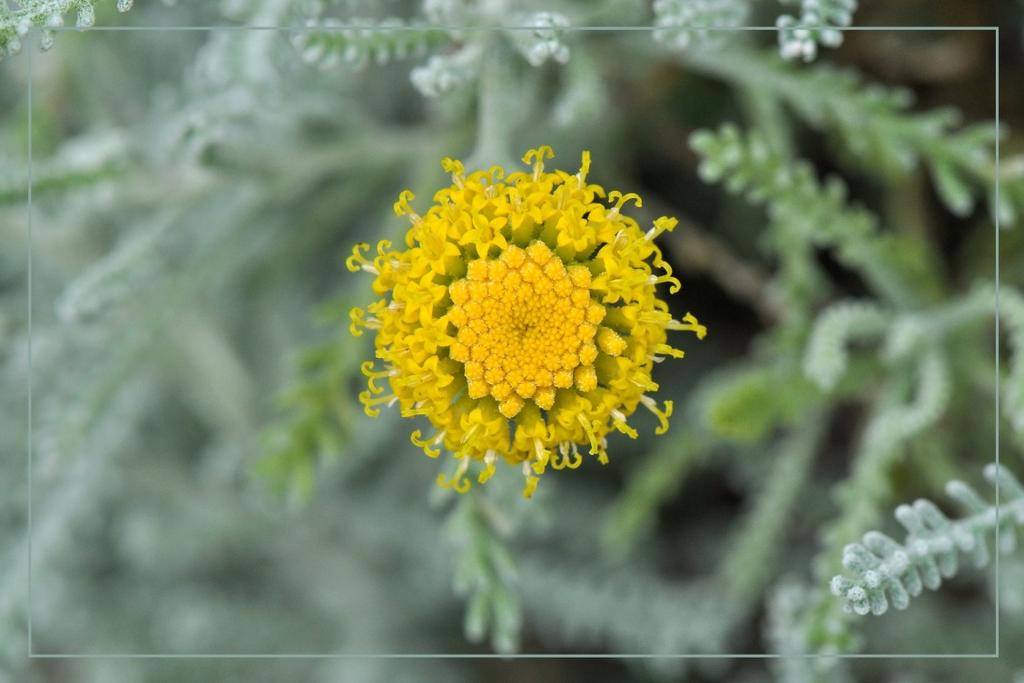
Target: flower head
{"x": 521, "y": 319}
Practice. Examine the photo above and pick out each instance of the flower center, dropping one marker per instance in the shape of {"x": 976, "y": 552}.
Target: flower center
{"x": 526, "y": 326}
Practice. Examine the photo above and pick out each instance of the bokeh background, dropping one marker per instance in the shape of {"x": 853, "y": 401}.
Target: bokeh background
{"x": 206, "y": 482}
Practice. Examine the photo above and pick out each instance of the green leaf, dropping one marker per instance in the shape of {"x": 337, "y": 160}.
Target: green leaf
{"x": 953, "y": 189}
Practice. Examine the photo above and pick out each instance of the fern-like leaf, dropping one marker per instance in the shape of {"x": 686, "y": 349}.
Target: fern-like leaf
{"x": 820, "y": 23}
{"x": 679, "y": 24}
{"x": 827, "y": 357}
{"x": 887, "y": 572}
{"x": 811, "y": 210}
{"x": 360, "y": 42}
{"x": 880, "y": 132}
{"x": 16, "y": 22}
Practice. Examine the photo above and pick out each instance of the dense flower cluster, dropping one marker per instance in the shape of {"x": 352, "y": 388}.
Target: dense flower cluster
{"x": 521, "y": 319}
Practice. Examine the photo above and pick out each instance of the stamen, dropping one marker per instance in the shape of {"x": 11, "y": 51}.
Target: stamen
{"x": 459, "y": 481}
{"x": 565, "y": 461}
{"x": 456, "y": 169}
{"x": 531, "y": 481}
{"x": 373, "y": 375}
{"x": 663, "y": 224}
{"x": 656, "y": 318}
{"x": 643, "y": 381}
{"x": 356, "y": 315}
{"x": 357, "y": 261}
{"x": 689, "y": 324}
{"x": 620, "y": 199}
{"x": 541, "y": 456}
{"x": 581, "y": 177}
{"x": 490, "y": 457}
{"x": 403, "y": 208}
{"x": 589, "y": 430}
{"x": 667, "y": 350}
{"x": 537, "y": 156}
{"x": 469, "y": 433}
{"x": 370, "y": 402}
{"x": 662, "y": 416}
{"x": 619, "y": 420}
{"x": 676, "y": 285}
{"x": 577, "y": 459}
{"x": 428, "y": 446}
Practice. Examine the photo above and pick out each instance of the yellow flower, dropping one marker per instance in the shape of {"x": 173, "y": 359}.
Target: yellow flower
{"x": 521, "y": 319}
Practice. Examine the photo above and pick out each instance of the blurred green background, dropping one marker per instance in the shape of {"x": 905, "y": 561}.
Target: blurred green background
{"x": 206, "y": 482}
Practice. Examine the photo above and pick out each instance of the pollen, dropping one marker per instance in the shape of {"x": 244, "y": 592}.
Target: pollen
{"x": 522, "y": 320}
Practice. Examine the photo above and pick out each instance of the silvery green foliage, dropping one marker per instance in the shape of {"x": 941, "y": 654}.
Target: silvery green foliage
{"x": 881, "y": 132}
{"x": 16, "y": 21}
{"x": 130, "y": 271}
{"x": 70, "y": 497}
{"x": 584, "y": 96}
{"x": 359, "y": 42}
{"x": 1011, "y": 586}
{"x": 887, "y": 572}
{"x": 759, "y": 538}
{"x": 544, "y": 40}
{"x": 893, "y": 424}
{"x": 486, "y": 575}
{"x": 89, "y": 161}
{"x": 679, "y": 24}
{"x": 903, "y": 334}
{"x": 754, "y": 548}
{"x": 899, "y": 422}
{"x": 1011, "y": 307}
{"x": 787, "y": 602}
{"x": 447, "y": 12}
{"x": 827, "y": 356}
{"x": 876, "y": 124}
{"x": 569, "y": 601}
{"x": 811, "y": 210}
{"x": 913, "y": 330}
{"x": 454, "y": 55}
{"x": 919, "y": 382}
{"x": 446, "y": 72}
{"x": 118, "y": 277}
{"x": 820, "y": 23}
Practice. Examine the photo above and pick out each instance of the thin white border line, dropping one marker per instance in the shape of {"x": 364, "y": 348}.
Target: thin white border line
{"x": 997, "y": 364}
{"x": 403, "y": 655}
{"x": 30, "y": 373}
{"x": 416, "y": 28}
{"x": 485, "y": 655}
